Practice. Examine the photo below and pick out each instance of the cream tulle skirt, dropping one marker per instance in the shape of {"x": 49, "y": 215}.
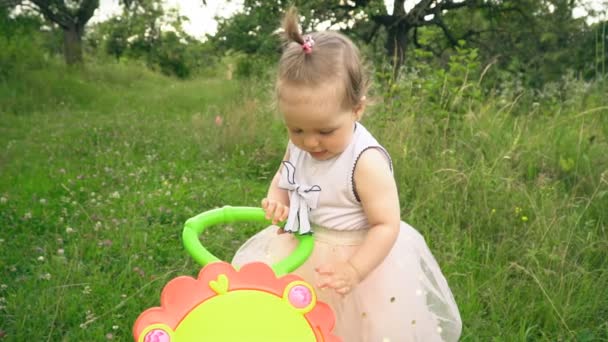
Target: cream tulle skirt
{"x": 406, "y": 298}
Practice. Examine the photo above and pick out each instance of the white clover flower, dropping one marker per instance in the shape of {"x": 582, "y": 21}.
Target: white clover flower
{"x": 86, "y": 290}
{"x": 3, "y": 200}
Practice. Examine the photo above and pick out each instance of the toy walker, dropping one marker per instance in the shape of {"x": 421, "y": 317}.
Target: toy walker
{"x": 257, "y": 302}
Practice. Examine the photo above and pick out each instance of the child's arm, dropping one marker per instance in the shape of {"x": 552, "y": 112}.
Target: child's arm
{"x": 276, "y": 203}
{"x": 378, "y": 194}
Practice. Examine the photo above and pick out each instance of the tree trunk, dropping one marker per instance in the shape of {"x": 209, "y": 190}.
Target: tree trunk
{"x": 397, "y": 28}
{"x": 396, "y": 43}
{"x": 72, "y": 45}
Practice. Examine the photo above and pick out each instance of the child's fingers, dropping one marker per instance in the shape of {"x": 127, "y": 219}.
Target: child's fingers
{"x": 335, "y": 284}
{"x": 285, "y": 213}
{"x": 344, "y": 290}
{"x": 265, "y": 203}
{"x": 325, "y": 270}
{"x": 277, "y": 214}
{"x": 270, "y": 208}
{"x": 280, "y": 214}
{"x": 324, "y": 284}
{"x": 326, "y": 273}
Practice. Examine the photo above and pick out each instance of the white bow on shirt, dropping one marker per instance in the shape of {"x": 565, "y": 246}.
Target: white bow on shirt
{"x": 302, "y": 198}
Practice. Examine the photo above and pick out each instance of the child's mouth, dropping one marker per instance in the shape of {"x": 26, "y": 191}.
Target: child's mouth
{"x": 318, "y": 155}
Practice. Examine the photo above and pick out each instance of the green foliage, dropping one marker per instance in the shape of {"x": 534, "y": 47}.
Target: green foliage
{"x": 21, "y": 44}
{"x": 510, "y": 192}
{"x": 111, "y": 36}
{"x": 253, "y": 67}
{"x": 448, "y": 92}
{"x": 535, "y": 40}
{"x": 137, "y": 34}
{"x": 171, "y": 56}
{"x": 167, "y": 173}
{"x": 508, "y": 183}
{"x": 516, "y": 188}
{"x": 595, "y": 53}
{"x": 252, "y": 31}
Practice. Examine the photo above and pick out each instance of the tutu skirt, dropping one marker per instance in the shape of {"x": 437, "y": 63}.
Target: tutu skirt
{"x": 406, "y": 298}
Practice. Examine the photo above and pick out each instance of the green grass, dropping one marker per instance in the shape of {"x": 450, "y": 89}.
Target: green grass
{"x": 99, "y": 168}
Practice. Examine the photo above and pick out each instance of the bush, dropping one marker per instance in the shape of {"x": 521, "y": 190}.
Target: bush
{"x": 251, "y": 66}
{"x": 21, "y": 44}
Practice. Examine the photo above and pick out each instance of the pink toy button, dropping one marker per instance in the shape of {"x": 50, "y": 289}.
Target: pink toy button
{"x": 157, "y": 335}
{"x": 300, "y": 296}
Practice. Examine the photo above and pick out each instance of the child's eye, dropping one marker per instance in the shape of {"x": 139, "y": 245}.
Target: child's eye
{"x": 296, "y": 131}
{"x": 328, "y": 132}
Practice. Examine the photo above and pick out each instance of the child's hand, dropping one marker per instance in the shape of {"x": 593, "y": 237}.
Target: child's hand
{"x": 275, "y": 210}
{"x": 340, "y": 276}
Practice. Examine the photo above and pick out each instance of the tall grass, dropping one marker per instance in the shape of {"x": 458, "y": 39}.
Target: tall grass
{"x": 99, "y": 168}
{"x": 510, "y": 189}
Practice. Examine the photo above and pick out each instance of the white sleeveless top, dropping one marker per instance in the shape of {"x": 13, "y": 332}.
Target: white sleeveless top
{"x": 323, "y": 192}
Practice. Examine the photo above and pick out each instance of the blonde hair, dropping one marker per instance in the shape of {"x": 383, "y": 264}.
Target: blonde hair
{"x": 334, "y": 57}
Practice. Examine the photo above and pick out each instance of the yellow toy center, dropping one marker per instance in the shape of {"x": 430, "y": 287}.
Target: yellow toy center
{"x": 243, "y": 315}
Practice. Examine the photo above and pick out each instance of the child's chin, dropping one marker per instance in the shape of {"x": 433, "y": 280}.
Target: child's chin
{"x": 325, "y": 155}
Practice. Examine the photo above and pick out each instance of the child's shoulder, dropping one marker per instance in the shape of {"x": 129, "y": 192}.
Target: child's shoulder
{"x": 369, "y": 150}
{"x": 373, "y": 161}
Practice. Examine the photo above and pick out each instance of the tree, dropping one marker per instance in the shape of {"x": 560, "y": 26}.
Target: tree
{"x": 21, "y": 44}
{"x": 537, "y": 40}
{"x": 487, "y": 24}
{"x": 251, "y": 31}
{"x": 72, "y": 16}
{"x": 398, "y": 25}
{"x": 137, "y": 34}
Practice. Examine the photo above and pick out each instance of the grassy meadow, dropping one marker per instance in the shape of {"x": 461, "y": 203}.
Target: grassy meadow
{"x": 100, "y": 167}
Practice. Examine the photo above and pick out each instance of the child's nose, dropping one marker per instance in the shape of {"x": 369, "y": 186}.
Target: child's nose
{"x": 311, "y": 141}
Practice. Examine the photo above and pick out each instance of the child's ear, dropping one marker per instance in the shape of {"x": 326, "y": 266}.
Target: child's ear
{"x": 360, "y": 108}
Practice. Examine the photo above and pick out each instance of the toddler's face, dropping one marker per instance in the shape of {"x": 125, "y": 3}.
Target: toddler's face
{"x": 316, "y": 121}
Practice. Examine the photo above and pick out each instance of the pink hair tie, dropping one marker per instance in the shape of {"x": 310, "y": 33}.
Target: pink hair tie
{"x": 308, "y": 43}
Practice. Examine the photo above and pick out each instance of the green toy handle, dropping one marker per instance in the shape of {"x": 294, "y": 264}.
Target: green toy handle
{"x": 196, "y": 225}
